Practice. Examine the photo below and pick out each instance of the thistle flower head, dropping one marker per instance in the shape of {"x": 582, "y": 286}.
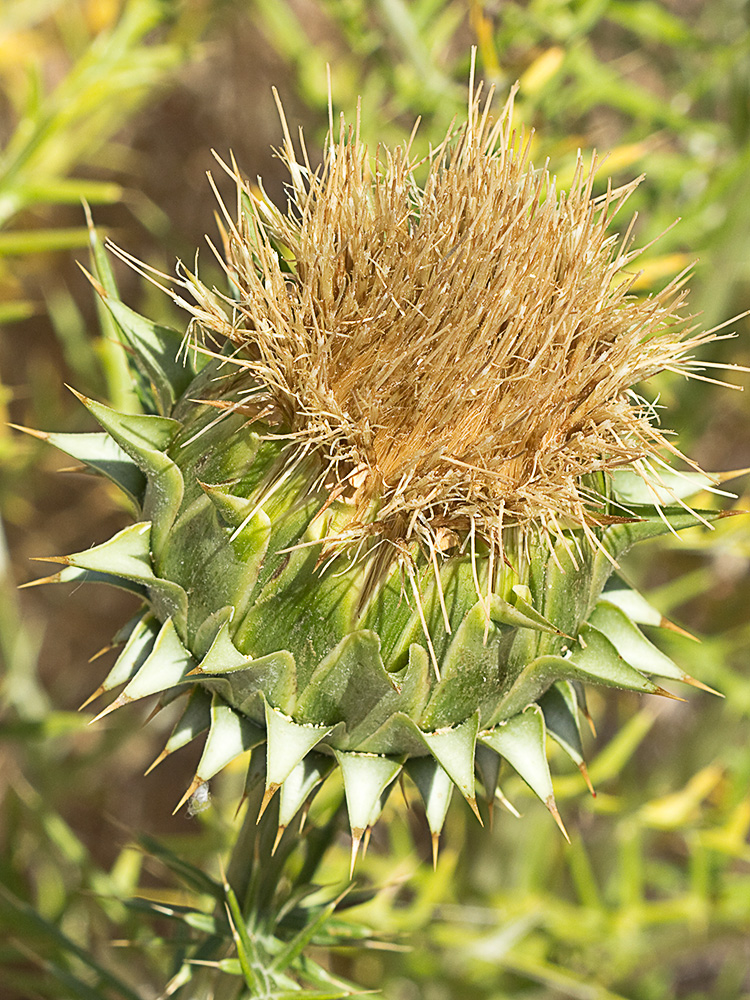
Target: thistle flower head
{"x": 462, "y": 351}
{"x": 429, "y": 373}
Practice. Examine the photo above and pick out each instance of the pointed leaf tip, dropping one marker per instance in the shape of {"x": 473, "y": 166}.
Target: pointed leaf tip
{"x": 475, "y": 809}
{"x": 585, "y": 772}
{"x": 194, "y": 786}
{"x": 356, "y": 840}
{"x": 687, "y": 679}
{"x": 279, "y": 834}
{"x": 552, "y": 806}
{"x": 162, "y": 756}
{"x": 269, "y": 793}
{"x": 120, "y": 701}
{"x": 662, "y": 692}
{"x": 91, "y": 697}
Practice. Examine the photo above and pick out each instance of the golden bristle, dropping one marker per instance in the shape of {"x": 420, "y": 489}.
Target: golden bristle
{"x": 469, "y": 344}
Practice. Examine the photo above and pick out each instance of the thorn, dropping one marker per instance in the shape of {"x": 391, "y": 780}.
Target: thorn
{"x": 550, "y": 803}
{"x": 475, "y": 809}
{"x": 587, "y": 717}
{"x": 159, "y": 759}
{"x": 194, "y": 786}
{"x": 55, "y": 578}
{"x": 667, "y": 694}
{"x": 100, "y": 290}
{"x": 65, "y": 560}
{"x": 507, "y": 803}
{"x": 366, "y": 842}
{"x": 195, "y": 670}
{"x": 687, "y": 679}
{"x": 666, "y": 623}
{"x": 267, "y": 796}
{"x": 120, "y": 700}
{"x": 243, "y": 797}
{"x": 41, "y": 435}
{"x": 585, "y": 772}
{"x": 277, "y": 841}
{"x": 102, "y": 651}
{"x": 721, "y": 477}
{"x": 435, "y": 847}
{"x": 356, "y": 838}
{"x": 92, "y": 697}
{"x": 304, "y": 813}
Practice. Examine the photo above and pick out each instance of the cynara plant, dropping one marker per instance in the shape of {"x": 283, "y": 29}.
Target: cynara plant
{"x": 381, "y": 488}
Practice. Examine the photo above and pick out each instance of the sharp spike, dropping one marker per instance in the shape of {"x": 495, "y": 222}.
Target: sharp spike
{"x": 666, "y": 623}
{"x": 435, "y": 847}
{"x": 507, "y": 804}
{"x": 54, "y": 578}
{"x": 551, "y": 805}
{"x": 277, "y": 841}
{"x": 356, "y": 840}
{"x": 687, "y": 679}
{"x": 41, "y": 435}
{"x": 667, "y": 694}
{"x": 194, "y": 786}
{"x": 366, "y": 841}
{"x": 269, "y": 793}
{"x": 587, "y": 716}
{"x": 102, "y": 651}
{"x": 475, "y": 809}
{"x": 304, "y": 813}
{"x": 91, "y": 697}
{"x": 119, "y": 702}
{"x": 162, "y": 756}
{"x": 243, "y": 799}
{"x": 585, "y": 772}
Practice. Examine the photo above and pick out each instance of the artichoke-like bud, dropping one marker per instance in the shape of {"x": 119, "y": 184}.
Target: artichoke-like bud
{"x": 381, "y": 495}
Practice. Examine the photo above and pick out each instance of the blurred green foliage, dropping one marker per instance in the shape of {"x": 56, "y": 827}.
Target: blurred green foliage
{"x": 117, "y": 103}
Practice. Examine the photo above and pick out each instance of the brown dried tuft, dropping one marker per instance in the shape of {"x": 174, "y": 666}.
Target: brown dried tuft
{"x": 462, "y": 353}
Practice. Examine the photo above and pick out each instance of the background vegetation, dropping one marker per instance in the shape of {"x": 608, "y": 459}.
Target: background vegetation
{"x": 119, "y": 102}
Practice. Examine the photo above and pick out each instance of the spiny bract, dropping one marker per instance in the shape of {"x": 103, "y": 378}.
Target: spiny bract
{"x": 378, "y": 526}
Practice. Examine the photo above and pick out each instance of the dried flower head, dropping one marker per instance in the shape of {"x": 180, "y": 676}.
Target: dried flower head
{"x": 463, "y": 352}
{"x": 371, "y": 554}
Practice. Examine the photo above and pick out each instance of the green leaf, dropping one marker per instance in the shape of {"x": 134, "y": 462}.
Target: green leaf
{"x": 454, "y": 750}
{"x": 560, "y": 711}
{"x": 230, "y": 735}
{"x": 288, "y": 743}
{"x": 247, "y": 952}
{"x": 155, "y": 351}
{"x": 630, "y": 642}
{"x": 521, "y": 740}
{"x": 103, "y": 454}
{"x": 300, "y": 783}
{"x": 144, "y": 438}
{"x": 365, "y": 779}
{"x": 436, "y": 788}
{"x": 166, "y": 665}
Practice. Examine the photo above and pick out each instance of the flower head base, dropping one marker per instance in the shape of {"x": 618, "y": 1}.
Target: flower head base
{"x": 461, "y": 352}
